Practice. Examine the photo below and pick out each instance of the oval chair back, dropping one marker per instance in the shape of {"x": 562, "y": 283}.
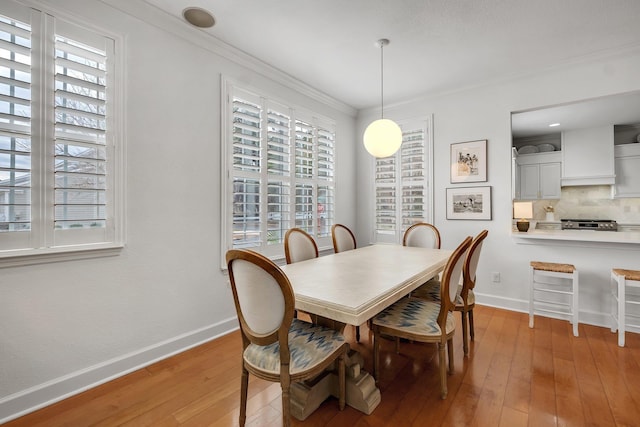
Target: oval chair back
{"x": 343, "y": 238}
{"x": 423, "y": 235}
{"x": 471, "y": 262}
{"x": 299, "y": 246}
{"x": 450, "y": 278}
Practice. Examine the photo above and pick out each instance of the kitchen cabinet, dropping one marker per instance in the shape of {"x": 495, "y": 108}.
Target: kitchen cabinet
{"x": 539, "y": 176}
{"x": 627, "y": 163}
{"x": 588, "y": 156}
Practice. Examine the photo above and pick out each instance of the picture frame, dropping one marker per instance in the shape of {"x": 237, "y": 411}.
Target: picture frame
{"x": 469, "y": 203}
{"x": 469, "y": 161}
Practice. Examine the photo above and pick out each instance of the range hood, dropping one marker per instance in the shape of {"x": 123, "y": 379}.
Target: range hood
{"x": 588, "y": 157}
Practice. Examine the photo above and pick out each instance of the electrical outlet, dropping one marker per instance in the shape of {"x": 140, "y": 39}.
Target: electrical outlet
{"x": 495, "y": 277}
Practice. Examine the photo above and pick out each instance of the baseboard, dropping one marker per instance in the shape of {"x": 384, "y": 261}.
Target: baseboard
{"x": 34, "y": 398}
{"x": 586, "y": 317}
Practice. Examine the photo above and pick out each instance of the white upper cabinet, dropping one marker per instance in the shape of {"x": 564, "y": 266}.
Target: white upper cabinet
{"x": 538, "y": 176}
{"x": 588, "y": 156}
{"x": 627, "y": 171}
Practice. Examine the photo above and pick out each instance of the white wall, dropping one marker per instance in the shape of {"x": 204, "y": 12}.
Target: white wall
{"x": 65, "y": 326}
{"x": 484, "y": 113}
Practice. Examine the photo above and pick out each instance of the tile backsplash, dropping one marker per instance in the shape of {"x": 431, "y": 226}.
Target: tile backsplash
{"x": 590, "y": 202}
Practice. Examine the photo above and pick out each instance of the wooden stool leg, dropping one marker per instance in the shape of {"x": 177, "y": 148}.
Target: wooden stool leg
{"x": 621, "y": 309}
{"x": 576, "y": 287}
{"x": 613, "y": 284}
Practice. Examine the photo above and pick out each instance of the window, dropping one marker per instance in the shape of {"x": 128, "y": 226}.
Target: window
{"x": 58, "y": 153}
{"x": 403, "y": 192}
{"x": 279, "y": 173}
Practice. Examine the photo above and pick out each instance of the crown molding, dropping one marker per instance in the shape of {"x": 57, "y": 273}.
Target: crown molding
{"x": 174, "y": 25}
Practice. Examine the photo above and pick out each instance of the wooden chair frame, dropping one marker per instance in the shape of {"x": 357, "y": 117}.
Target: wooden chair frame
{"x": 280, "y": 335}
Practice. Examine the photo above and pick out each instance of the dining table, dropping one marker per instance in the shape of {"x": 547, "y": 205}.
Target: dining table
{"x": 351, "y": 287}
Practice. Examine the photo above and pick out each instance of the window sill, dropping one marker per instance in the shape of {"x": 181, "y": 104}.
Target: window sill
{"x": 22, "y": 257}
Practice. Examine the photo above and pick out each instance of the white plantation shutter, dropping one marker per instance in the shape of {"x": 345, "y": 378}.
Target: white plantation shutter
{"x": 15, "y": 125}
{"x": 60, "y": 172}
{"x": 385, "y": 208}
{"x": 402, "y": 190}
{"x": 280, "y": 172}
{"x": 326, "y": 153}
{"x": 325, "y": 172}
{"x": 278, "y": 205}
{"x": 326, "y": 210}
{"x": 278, "y": 142}
{"x": 305, "y": 204}
{"x": 304, "y": 149}
{"x": 80, "y": 135}
{"x": 246, "y": 135}
{"x": 247, "y": 163}
{"x": 246, "y": 213}
{"x": 413, "y": 184}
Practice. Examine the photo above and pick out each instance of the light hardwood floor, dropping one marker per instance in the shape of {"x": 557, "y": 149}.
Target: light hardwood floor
{"x": 514, "y": 376}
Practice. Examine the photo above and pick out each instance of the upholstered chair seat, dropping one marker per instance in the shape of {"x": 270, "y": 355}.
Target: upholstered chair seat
{"x": 415, "y": 316}
{"x": 309, "y": 344}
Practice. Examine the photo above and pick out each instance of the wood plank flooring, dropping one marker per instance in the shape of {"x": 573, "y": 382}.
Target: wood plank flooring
{"x": 514, "y": 376}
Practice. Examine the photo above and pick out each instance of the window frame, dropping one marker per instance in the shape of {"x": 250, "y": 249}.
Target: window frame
{"x": 43, "y": 243}
{"x": 229, "y": 87}
{"x": 395, "y": 236}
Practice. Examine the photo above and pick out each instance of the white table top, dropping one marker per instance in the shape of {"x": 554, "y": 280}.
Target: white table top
{"x": 353, "y": 286}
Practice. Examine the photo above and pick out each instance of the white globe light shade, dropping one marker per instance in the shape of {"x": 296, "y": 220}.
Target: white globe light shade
{"x": 382, "y": 138}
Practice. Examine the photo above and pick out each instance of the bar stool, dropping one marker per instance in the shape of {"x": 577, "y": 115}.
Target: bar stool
{"x": 621, "y": 280}
{"x": 538, "y": 272}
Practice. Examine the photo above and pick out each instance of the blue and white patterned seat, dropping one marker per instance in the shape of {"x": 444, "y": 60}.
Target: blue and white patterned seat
{"x": 309, "y": 345}
{"x": 430, "y": 291}
{"x": 416, "y": 316}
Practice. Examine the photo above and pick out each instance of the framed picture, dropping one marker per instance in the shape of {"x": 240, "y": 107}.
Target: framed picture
{"x": 469, "y": 203}
{"x": 469, "y": 161}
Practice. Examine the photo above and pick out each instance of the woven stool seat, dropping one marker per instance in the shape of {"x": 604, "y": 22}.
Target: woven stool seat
{"x": 628, "y": 274}
{"x": 552, "y": 266}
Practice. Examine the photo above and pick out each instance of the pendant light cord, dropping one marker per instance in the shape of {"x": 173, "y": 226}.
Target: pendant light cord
{"x": 382, "y": 80}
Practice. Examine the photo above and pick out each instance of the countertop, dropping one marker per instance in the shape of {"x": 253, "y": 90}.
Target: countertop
{"x": 619, "y": 237}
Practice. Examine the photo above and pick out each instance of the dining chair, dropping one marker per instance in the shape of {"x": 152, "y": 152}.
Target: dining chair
{"x": 465, "y": 298}
{"x": 299, "y": 246}
{"x": 344, "y": 240}
{"x": 276, "y": 346}
{"x": 423, "y": 235}
{"x": 416, "y": 319}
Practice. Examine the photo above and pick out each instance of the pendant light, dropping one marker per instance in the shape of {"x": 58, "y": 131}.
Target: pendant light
{"x": 383, "y": 137}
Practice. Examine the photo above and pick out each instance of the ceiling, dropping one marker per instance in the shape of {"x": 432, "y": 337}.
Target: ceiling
{"x": 436, "y": 45}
